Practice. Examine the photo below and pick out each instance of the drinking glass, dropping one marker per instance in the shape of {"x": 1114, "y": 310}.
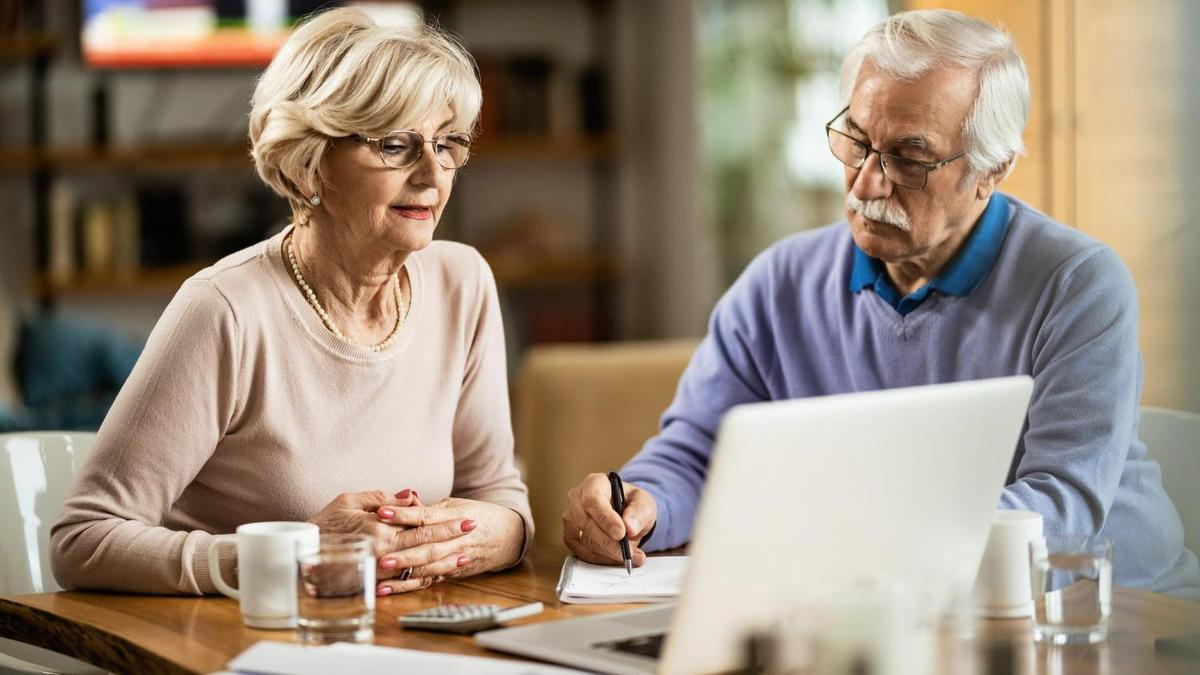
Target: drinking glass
{"x": 337, "y": 591}
{"x": 1071, "y": 577}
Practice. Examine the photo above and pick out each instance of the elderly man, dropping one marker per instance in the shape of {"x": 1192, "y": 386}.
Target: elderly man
{"x": 935, "y": 277}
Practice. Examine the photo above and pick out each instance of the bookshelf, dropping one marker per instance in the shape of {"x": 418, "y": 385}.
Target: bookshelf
{"x": 149, "y": 158}
{"x": 533, "y": 131}
{"x": 165, "y": 279}
{"x": 551, "y": 101}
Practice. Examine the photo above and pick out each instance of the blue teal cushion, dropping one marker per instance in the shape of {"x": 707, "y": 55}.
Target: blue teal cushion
{"x": 70, "y": 370}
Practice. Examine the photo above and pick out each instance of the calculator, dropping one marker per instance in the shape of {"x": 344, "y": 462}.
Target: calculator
{"x": 466, "y": 618}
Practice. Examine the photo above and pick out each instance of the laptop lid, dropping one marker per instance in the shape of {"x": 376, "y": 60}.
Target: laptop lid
{"x": 811, "y": 495}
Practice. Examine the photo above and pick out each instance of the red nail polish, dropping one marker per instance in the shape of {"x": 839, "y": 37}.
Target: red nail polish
{"x": 468, "y": 525}
{"x": 383, "y": 590}
{"x": 387, "y": 563}
{"x": 415, "y": 494}
{"x": 403, "y": 494}
{"x": 386, "y": 513}
{"x": 463, "y": 561}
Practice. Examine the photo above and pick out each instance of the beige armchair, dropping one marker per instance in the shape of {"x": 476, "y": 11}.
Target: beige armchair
{"x": 585, "y": 408}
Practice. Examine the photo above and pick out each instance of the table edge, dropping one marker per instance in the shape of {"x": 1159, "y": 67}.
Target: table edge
{"x": 94, "y": 645}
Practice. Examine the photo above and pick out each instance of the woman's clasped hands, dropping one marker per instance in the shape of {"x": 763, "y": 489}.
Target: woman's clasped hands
{"x": 418, "y": 545}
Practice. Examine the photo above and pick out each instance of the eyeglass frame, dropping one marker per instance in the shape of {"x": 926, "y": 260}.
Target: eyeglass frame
{"x": 882, "y": 165}
{"x": 378, "y": 143}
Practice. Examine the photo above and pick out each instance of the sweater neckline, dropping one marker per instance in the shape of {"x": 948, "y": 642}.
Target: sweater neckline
{"x": 962, "y": 275}
{"x": 307, "y": 317}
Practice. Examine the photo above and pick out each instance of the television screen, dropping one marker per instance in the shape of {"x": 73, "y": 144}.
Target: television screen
{"x": 201, "y": 33}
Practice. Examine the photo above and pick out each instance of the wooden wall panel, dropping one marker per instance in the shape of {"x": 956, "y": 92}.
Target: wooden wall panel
{"x": 1131, "y": 186}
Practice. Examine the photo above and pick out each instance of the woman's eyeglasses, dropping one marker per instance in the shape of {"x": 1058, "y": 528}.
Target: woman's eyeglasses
{"x": 402, "y": 149}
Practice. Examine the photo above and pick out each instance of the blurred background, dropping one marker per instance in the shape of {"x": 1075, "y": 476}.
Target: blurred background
{"x": 635, "y": 155}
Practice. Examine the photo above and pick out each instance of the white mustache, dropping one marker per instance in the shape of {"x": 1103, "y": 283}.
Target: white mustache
{"x": 879, "y": 210}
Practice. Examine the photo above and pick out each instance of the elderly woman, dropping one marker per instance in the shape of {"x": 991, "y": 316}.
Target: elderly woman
{"x": 348, "y": 371}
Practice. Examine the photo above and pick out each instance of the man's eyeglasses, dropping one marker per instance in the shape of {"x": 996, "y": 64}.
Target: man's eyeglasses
{"x": 402, "y": 149}
{"x": 907, "y": 173}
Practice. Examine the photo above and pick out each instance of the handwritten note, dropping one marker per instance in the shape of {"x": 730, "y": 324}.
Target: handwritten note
{"x": 659, "y": 580}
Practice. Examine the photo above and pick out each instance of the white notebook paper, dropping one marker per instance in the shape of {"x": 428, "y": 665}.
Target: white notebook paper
{"x": 659, "y": 580}
{"x": 268, "y": 657}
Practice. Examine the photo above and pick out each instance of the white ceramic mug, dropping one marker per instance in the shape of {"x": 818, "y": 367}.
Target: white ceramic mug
{"x": 1002, "y": 587}
{"x": 267, "y": 555}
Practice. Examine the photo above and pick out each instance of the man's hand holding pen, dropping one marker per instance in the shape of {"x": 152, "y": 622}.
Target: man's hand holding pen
{"x": 593, "y": 531}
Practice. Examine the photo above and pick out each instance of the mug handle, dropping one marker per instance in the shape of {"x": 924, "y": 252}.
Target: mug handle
{"x": 214, "y": 564}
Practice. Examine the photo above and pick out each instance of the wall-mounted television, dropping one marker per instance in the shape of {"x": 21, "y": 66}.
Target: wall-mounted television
{"x": 201, "y": 33}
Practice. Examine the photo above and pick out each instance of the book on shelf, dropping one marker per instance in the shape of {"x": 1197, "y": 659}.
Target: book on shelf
{"x": 98, "y": 228}
{"x": 96, "y": 235}
{"x": 532, "y": 95}
{"x": 527, "y": 99}
{"x": 111, "y": 237}
{"x": 127, "y": 238}
{"x": 60, "y": 235}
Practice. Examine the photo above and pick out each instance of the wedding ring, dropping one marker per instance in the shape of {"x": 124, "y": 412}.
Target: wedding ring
{"x": 406, "y": 574}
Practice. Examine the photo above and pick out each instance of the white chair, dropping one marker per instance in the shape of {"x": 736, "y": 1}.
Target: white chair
{"x": 36, "y": 473}
{"x": 1173, "y": 438}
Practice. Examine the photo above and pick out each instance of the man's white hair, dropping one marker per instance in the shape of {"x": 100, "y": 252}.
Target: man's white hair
{"x": 909, "y": 44}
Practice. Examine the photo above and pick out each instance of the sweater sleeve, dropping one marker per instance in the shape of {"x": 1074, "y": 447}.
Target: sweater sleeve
{"x": 484, "y": 468}
{"x": 1087, "y": 376}
{"x": 729, "y": 368}
{"x": 162, "y": 428}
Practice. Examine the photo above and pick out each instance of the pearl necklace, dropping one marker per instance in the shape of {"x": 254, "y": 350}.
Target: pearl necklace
{"x": 401, "y": 314}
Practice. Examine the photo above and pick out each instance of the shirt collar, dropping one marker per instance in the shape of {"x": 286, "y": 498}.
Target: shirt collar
{"x": 970, "y": 267}
{"x": 965, "y": 272}
{"x": 866, "y": 270}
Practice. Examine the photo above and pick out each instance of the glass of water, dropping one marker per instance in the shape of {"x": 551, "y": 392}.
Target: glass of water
{"x": 337, "y": 591}
{"x": 1071, "y": 577}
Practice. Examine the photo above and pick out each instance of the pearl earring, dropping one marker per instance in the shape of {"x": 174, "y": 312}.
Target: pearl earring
{"x": 316, "y": 200}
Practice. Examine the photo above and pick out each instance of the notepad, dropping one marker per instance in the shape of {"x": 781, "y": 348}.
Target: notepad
{"x": 268, "y": 657}
{"x": 659, "y": 580}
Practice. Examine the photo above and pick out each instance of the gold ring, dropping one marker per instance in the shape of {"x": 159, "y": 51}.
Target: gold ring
{"x": 580, "y": 534}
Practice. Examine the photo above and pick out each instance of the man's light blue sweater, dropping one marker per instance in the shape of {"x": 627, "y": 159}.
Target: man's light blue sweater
{"x": 1054, "y": 304}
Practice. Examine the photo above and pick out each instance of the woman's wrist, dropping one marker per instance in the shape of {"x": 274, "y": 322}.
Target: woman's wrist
{"x": 514, "y": 541}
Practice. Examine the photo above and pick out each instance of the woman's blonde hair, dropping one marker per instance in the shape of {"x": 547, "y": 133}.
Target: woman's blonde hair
{"x": 341, "y": 73}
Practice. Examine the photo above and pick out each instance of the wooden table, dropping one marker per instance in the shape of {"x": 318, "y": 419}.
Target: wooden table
{"x": 153, "y": 634}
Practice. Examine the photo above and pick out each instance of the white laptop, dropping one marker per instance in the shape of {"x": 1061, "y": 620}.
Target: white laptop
{"x": 809, "y": 495}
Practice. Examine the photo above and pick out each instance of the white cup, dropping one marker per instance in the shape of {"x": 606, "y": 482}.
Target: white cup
{"x": 266, "y": 555}
{"x": 1002, "y": 587}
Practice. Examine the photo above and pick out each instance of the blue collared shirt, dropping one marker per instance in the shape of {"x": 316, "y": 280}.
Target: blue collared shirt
{"x": 965, "y": 272}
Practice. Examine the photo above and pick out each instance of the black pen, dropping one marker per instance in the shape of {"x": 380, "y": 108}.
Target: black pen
{"x": 618, "y": 504}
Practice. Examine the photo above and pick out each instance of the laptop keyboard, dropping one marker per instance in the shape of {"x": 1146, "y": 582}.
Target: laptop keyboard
{"x": 649, "y": 645}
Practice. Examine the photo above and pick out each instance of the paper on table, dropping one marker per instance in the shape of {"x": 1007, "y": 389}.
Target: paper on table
{"x": 272, "y": 658}
{"x": 659, "y": 580}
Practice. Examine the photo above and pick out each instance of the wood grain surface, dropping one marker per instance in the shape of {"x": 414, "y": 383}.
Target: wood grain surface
{"x": 154, "y": 634}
